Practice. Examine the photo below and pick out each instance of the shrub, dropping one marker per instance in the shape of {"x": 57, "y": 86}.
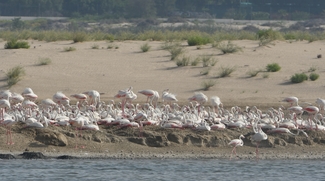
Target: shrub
{"x": 175, "y": 52}
{"x": 206, "y": 85}
{"x": 228, "y": 48}
{"x": 205, "y": 71}
{"x": 266, "y": 75}
{"x": 208, "y": 61}
{"x": 14, "y": 44}
{"x": 14, "y": 75}
{"x": 312, "y": 69}
{"x": 274, "y": 67}
{"x": 298, "y": 78}
{"x": 44, "y": 61}
{"x": 195, "y": 62}
{"x": 95, "y": 46}
{"x": 145, "y": 47}
{"x": 253, "y": 73}
{"x": 79, "y": 37}
{"x": 185, "y": 61}
{"x": 226, "y": 71}
{"x": 69, "y": 49}
{"x": 268, "y": 34}
{"x": 313, "y": 76}
{"x": 197, "y": 40}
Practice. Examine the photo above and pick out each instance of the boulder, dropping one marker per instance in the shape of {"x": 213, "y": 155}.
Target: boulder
{"x": 49, "y": 137}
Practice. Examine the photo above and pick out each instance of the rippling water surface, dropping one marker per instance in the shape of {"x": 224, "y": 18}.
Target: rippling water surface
{"x": 155, "y": 169}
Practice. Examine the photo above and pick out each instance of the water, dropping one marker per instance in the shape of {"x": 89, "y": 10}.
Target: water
{"x": 156, "y": 169}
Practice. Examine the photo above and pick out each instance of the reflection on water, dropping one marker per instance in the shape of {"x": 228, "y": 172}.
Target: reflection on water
{"x": 156, "y": 169}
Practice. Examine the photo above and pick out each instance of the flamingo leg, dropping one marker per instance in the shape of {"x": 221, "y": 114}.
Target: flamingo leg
{"x": 141, "y": 129}
{"x": 257, "y": 150}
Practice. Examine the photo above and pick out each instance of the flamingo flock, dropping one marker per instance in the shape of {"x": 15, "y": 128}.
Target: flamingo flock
{"x": 199, "y": 114}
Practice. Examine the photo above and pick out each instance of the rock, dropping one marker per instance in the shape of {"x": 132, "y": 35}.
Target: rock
{"x": 136, "y": 140}
{"x": 49, "y": 137}
{"x": 319, "y": 56}
{"x": 176, "y": 138}
{"x": 6, "y": 156}
{"x": 32, "y": 155}
{"x": 66, "y": 157}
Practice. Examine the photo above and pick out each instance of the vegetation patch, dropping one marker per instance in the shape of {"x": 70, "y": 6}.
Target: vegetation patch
{"x": 14, "y": 75}
{"x": 274, "y": 67}
{"x": 145, "y": 47}
{"x": 44, "y": 61}
{"x": 229, "y": 47}
{"x": 14, "y": 44}
{"x": 198, "y": 40}
{"x": 313, "y": 76}
{"x": 226, "y": 71}
{"x": 206, "y": 85}
{"x": 70, "y": 49}
{"x": 298, "y": 78}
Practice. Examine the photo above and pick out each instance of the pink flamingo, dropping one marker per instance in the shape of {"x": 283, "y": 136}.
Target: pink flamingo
{"x": 16, "y": 98}
{"x": 29, "y": 94}
{"x": 151, "y": 94}
{"x": 60, "y": 98}
{"x": 321, "y": 104}
{"x": 94, "y": 97}
{"x": 258, "y": 137}
{"x": 8, "y": 122}
{"x": 80, "y": 97}
{"x": 311, "y": 110}
{"x": 216, "y": 103}
{"x": 200, "y": 98}
{"x": 235, "y": 143}
{"x": 168, "y": 97}
{"x": 5, "y": 94}
{"x": 291, "y": 100}
{"x": 124, "y": 95}
{"x": 4, "y": 105}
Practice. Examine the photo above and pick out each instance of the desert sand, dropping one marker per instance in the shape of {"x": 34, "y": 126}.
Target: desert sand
{"x": 110, "y": 70}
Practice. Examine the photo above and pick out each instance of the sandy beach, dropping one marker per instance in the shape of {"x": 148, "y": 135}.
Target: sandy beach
{"x": 110, "y": 70}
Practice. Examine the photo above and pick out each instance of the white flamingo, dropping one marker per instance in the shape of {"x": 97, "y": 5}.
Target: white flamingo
{"x": 293, "y": 101}
{"x": 168, "y": 97}
{"x": 29, "y": 94}
{"x": 4, "y": 105}
{"x": 152, "y": 95}
{"x": 200, "y": 98}
{"x": 94, "y": 97}
{"x": 258, "y": 137}
{"x": 8, "y": 122}
{"x": 235, "y": 143}
{"x": 60, "y": 98}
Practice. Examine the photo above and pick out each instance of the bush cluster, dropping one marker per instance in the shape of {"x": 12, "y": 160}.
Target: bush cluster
{"x": 14, "y": 44}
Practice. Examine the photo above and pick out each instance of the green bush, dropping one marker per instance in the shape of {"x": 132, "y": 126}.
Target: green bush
{"x": 145, "y": 47}
{"x": 79, "y": 37}
{"x": 14, "y": 44}
{"x": 313, "y": 76}
{"x": 226, "y": 71}
{"x": 207, "y": 61}
{"x": 185, "y": 61}
{"x": 95, "y": 46}
{"x": 44, "y": 61}
{"x": 274, "y": 67}
{"x": 69, "y": 49}
{"x": 175, "y": 52}
{"x": 206, "y": 85}
{"x": 198, "y": 40}
{"x": 14, "y": 75}
{"x": 228, "y": 48}
{"x": 298, "y": 78}
{"x": 268, "y": 34}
